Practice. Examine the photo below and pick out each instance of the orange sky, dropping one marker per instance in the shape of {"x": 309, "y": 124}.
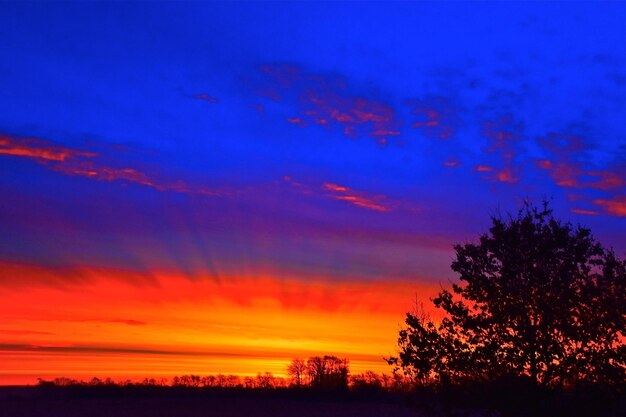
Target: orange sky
{"x": 122, "y": 324}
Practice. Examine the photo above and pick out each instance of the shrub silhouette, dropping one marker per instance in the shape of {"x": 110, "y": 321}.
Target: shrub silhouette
{"x": 538, "y": 298}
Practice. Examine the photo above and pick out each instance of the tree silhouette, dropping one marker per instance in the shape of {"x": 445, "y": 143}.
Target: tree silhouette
{"x": 296, "y": 371}
{"x": 327, "y": 372}
{"x": 538, "y": 298}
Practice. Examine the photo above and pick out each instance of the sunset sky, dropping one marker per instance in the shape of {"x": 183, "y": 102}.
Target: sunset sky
{"x": 222, "y": 187}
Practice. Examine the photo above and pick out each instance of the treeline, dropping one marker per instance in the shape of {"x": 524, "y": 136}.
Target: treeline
{"x": 317, "y": 372}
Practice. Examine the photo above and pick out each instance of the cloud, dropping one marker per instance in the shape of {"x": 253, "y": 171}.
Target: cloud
{"x": 321, "y": 100}
{"x": 343, "y": 193}
{"x": 73, "y": 162}
{"x": 569, "y": 166}
{"x": 7, "y": 347}
{"x": 128, "y": 322}
{"x": 103, "y": 173}
{"x": 502, "y": 134}
{"x": 483, "y": 168}
{"x": 206, "y": 97}
{"x": 612, "y": 178}
{"x": 507, "y": 174}
{"x": 504, "y": 138}
{"x": 357, "y": 198}
{"x": 616, "y": 206}
{"x": 563, "y": 166}
{"x": 38, "y": 149}
{"x": 21, "y": 332}
{"x": 586, "y": 212}
{"x": 24, "y": 275}
{"x": 435, "y": 117}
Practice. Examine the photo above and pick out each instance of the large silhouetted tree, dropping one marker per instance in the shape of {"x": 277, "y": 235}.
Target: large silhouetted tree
{"x": 537, "y": 298}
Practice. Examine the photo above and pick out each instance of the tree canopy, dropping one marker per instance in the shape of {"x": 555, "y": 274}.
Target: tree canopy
{"x": 536, "y": 298}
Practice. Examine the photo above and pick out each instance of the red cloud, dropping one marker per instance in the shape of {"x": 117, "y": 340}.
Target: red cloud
{"x": 503, "y": 137}
{"x": 567, "y": 170}
{"x": 37, "y": 149}
{"x": 436, "y": 117}
{"x": 564, "y": 169}
{"x": 616, "y": 207}
{"x": 501, "y": 134}
{"x": 483, "y": 168}
{"x": 609, "y": 179}
{"x": 564, "y": 174}
{"x": 357, "y": 198}
{"x": 343, "y": 193}
{"x": 324, "y": 100}
{"x": 296, "y": 121}
{"x": 586, "y": 212}
{"x": 206, "y": 97}
{"x": 105, "y": 173}
{"x": 544, "y": 163}
{"x": 79, "y": 163}
{"x": 506, "y": 175}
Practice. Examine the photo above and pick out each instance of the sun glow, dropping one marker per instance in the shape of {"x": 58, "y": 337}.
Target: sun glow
{"x": 124, "y": 324}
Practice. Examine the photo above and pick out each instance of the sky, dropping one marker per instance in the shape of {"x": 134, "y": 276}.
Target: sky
{"x": 222, "y": 187}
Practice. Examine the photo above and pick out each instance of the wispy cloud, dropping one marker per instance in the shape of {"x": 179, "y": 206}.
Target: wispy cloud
{"x": 38, "y": 149}
{"x": 206, "y": 97}
{"x": 452, "y": 163}
{"x": 22, "y": 332}
{"x": 616, "y": 206}
{"x": 377, "y": 202}
{"x": 360, "y": 199}
{"x": 483, "y": 168}
{"x": 74, "y": 162}
{"x": 586, "y": 212}
{"x": 128, "y": 322}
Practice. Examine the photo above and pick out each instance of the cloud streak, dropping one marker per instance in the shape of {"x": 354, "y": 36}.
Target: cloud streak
{"x": 73, "y": 162}
{"x": 38, "y": 149}
{"x": 360, "y": 199}
{"x": 334, "y": 191}
{"x": 616, "y": 206}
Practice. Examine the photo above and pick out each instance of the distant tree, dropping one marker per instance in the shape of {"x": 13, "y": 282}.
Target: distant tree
{"x": 209, "y": 381}
{"x": 44, "y": 383}
{"x": 95, "y": 382}
{"x": 296, "y": 371}
{"x": 538, "y": 298}
{"x": 367, "y": 380}
{"x": 328, "y": 372}
{"x": 64, "y": 382}
{"x": 232, "y": 381}
{"x": 265, "y": 381}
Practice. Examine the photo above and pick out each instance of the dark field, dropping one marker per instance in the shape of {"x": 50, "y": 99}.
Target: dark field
{"x": 167, "y": 402}
{"x": 140, "y": 401}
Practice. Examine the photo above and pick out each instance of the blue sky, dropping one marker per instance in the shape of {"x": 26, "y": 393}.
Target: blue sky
{"x": 346, "y": 140}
